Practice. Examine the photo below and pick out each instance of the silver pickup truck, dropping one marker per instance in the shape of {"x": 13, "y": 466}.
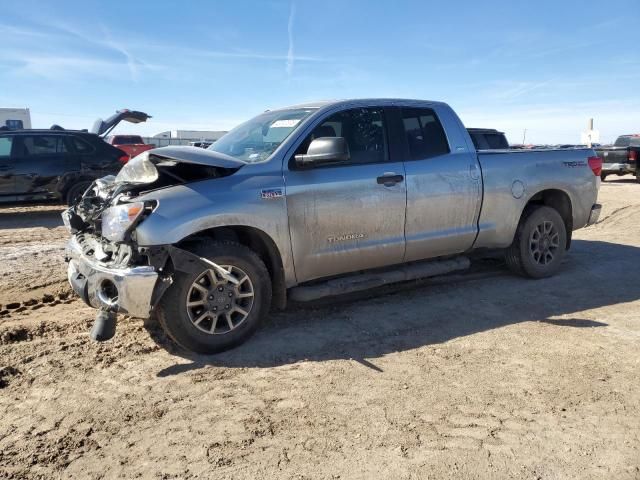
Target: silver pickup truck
{"x": 315, "y": 200}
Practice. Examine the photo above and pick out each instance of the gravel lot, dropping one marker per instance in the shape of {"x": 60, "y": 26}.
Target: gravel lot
{"x": 480, "y": 376}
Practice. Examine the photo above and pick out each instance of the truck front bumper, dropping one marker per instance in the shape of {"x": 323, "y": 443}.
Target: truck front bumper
{"x": 595, "y": 214}
{"x": 124, "y": 290}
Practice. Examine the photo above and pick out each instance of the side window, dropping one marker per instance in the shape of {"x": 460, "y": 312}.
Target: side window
{"x": 362, "y": 128}
{"x": 43, "y": 144}
{"x": 81, "y": 146}
{"x": 5, "y": 146}
{"x": 424, "y": 132}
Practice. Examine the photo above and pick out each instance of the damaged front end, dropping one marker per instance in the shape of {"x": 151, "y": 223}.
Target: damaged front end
{"x": 107, "y": 268}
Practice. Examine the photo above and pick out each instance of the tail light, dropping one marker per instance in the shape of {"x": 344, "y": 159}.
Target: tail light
{"x": 633, "y": 156}
{"x": 595, "y": 164}
{"x": 123, "y": 159}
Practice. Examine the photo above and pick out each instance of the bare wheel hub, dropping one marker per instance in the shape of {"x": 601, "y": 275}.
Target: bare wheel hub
{"x": 544, "y": 243}
{"x": 217, "y": 305}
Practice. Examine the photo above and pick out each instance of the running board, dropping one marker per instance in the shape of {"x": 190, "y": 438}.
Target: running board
{"x": 365, "y": 281}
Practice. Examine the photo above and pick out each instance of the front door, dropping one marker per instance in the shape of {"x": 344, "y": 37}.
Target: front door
{"x": 349, "y": 216}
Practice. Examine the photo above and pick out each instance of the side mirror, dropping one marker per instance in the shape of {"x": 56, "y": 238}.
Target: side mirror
{"x": 324, "y": 151}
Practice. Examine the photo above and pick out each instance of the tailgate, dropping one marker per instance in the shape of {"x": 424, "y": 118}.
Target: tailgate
{"x": 613, "y": 155}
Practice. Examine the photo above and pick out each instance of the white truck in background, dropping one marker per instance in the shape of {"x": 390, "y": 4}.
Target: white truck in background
{"x": 15, "y": 118}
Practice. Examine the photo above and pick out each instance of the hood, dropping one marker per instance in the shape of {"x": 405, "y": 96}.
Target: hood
{"x": 103, "y": 127}
{"x": 194, "y": 155}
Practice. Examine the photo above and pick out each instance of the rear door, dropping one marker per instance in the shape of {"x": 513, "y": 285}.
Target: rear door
{"x": 444, "y": 189}
{"x": 349, "y": 216}
{"x": 41, "y": 161}
{"x": 7, "y": 173}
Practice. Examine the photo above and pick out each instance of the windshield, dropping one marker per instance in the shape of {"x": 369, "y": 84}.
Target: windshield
{"x": 257, "y": 139}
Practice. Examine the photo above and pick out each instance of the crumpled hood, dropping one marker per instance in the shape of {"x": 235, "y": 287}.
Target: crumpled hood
{"x": 195, "y": 155}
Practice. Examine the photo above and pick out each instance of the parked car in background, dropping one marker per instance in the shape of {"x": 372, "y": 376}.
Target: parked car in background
{"x": 132, "y": 145}
{"x": 621, "y": 158}
{"x": 311, "y": 201}
{"x": 55, "y": 164}
{"x": 488, "y": 138}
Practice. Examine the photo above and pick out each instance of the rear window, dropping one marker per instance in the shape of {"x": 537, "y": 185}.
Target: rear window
{"x": 126, "y": 140}
{"x": 5, "y": 146}
{"x": 43, "y": 144}
{"x": 425, "y": 135}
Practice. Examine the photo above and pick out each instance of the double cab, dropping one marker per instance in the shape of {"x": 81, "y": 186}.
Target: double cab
{"x": 315, "y": 200}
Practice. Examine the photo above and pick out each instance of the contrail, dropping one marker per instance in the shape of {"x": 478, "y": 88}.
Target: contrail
{"x": 290, "y": 57}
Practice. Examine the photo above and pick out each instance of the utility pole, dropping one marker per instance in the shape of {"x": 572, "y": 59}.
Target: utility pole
{"x": 524, "y": 136}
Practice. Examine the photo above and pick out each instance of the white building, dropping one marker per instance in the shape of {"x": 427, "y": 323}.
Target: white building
{"x": 15, "y": 118}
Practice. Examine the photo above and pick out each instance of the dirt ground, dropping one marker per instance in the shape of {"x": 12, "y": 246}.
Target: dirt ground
{"x": 479, "y": 376}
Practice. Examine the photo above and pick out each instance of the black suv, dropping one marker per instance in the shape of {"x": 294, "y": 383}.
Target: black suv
{"x": 58, "y": 164}
{"x": 488, "y": 138}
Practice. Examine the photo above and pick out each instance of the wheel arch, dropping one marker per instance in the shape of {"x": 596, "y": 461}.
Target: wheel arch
{"x": 557, "y": 199}
{"x": 258, "y": 241}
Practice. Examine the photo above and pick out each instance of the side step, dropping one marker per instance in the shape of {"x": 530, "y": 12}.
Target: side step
{"x": 365, "y": 281}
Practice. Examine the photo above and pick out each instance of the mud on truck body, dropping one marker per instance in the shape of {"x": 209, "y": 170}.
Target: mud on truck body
{"x": 315, "y": 200}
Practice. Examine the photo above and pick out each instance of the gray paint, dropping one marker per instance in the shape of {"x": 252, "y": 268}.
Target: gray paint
{"x": 334, "y": 220}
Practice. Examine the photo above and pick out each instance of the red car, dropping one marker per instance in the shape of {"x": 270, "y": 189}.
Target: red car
{"x": 132, "y": 145}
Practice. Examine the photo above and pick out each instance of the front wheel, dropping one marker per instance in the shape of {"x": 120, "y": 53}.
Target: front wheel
{"x": 539, "y": 245}
{"x": 603, "y": 176}
{"x": 210, "y": 310}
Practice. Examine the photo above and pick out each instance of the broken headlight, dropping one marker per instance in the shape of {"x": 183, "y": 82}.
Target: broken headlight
{"x": 138, "y": 170}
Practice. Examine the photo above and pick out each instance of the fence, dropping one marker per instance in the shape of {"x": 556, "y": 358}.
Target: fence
{"x": 163, "y": 142}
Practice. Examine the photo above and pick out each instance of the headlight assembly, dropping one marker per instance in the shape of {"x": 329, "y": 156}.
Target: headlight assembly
{"x": 117, "y": 220}
{"x": 138, "y": 170}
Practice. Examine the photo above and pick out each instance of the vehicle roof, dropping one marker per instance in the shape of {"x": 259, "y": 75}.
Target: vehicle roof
{"x": 48, "y": 131}
{"x": 362, "y": 101}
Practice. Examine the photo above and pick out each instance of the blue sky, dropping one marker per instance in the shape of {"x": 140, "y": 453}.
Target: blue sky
{"x": 546, "y": 66}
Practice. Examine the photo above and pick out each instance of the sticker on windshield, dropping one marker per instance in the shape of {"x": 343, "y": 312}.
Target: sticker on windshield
{"x": 285, "y": 123}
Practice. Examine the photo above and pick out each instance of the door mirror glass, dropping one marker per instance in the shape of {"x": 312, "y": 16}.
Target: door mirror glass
{"x": 324, "y": 151}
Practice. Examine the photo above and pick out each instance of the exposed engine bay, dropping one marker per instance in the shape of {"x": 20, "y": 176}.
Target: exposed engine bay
{"x": 103, "y": 220}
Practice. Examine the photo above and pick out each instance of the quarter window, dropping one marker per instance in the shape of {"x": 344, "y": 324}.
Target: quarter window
{"x": 425, "y": 135}
{"x": 81, "y": 146}
{"x": 362, "y": 128}
{"x": 5, "y": 146}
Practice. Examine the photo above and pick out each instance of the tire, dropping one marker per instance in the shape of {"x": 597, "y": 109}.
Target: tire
{"x": 532, "y": 253}
{"x": 191, "y": 326}
{"x": 75, "y": 192}
{"x": 603, "y": 176}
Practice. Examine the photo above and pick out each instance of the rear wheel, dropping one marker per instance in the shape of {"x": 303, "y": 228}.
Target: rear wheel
{"x": 74, "y": 194}
{"x": 539, "y": 244}
{"x": 211, "y": 310}
{"x": 603, "y": 176}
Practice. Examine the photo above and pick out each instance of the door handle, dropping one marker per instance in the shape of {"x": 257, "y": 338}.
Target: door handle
{"x": 389, "y": 179}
